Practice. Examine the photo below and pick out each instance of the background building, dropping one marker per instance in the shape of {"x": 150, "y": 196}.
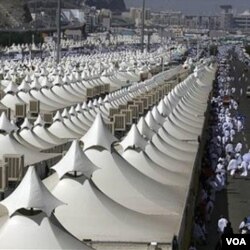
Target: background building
{"x": 226, "y": 17}
{"x": 242, "y": 21}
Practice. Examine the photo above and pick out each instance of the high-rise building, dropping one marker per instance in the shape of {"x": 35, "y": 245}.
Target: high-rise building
{"x": 242, "y": 21}
{"x": 226, "y": 17}
{"x": 168, "y": 18}
{"x": 136, "y": 15}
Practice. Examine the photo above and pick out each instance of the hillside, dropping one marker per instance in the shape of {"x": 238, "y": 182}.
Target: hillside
{"x": 14, "y": 13}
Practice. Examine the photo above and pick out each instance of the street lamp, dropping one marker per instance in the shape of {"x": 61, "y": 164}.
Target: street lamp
{"x": 142, "y": 26}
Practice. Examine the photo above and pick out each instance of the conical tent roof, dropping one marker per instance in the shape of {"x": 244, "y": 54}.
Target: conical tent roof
{"x": 78, "y": 108}
{"x": 11, "y": 88}
{"x": 35, "y": 84}
{"x": 84, "y": 106}
{"x": 144, "y": 129}
{"x": 141, "y": 161}
{"x": 155, "y": 112}
{"x": 72, "y": 111}
{"x": 26, "y": 124}
{"x": 98, "y": 135}
{"x": 39, "y": 121}
{"x": 5, "y": 124}
{"x": 133, "y": 139}
{"x": 24, "y": 86}
{"x": 75, "y": 160}
{"x": 28, "y": 78}
{"x": 171, "y": 150}
{"x": 88, "y": 205}
{"x": 44, "y": 72}
{"x": 65, "y": 113}
{"x": 58, "y": 80}
{"x": 31, "y": 156}
{"x": 15, "y": 128}
{"x": 45, "y": 83}
{"x": 162, "y": 108}
{"x": 37, "y": 230}
{"x": 62, "y": 131}
{"x": 151, "y": 121}
{"x": 31, "y": 193}
{"x": 57, "y": 117}
{"x": 131, "y": 188}
{"x": 45, "y": 135}
{"x": 29, "y": 139}
{"x": 66, "y": 79}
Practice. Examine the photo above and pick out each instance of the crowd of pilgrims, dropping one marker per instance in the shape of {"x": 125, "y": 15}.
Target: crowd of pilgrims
{"x": 223, "y": 155}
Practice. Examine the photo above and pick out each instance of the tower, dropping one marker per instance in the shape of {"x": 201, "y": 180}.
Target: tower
{"x": 226, "y": 17}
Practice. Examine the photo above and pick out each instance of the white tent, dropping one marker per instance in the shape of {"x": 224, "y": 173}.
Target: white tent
{"x": 122, "y": 182}
{"x": 33, "y": 230}
{"x": 133, "y": 146}
{"x": 5, "y": 124}
{"x": 44, "y": 134}
{"x": 98, "y": 135}
{"x": 27, "y": 137}
{"x": 45, "y": 103}
{"x": 177, "y": 143}
{"x": 31, "y": 193}
{"x": 75, "y": 161}
{"x": 11, "y": 146}
{"x": 171, "y": 150}
{"x": 144, "y": 129}
{"x": 88, "y": 205}
{"x": 60, "y": 130}
{"x": 105, "y": 220}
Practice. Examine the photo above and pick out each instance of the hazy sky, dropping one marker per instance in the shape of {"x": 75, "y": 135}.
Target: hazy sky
{"x": 191, "y": 6}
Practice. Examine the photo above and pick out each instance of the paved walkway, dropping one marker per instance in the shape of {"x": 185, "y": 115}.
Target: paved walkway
{"x": 234, "y": 201}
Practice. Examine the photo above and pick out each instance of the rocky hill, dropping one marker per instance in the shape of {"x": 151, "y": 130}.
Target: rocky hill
{"x": 114, "y": 5}
{"x": 14, "y": 13}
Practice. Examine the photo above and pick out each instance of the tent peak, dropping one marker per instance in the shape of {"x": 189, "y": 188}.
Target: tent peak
{"x": 26, "y": 124}
{"x": 133, "y": 139}
{"x": 5, "y": 124}
{"x": 75, "y": 160}
{"x": 98, "y": 135}
{"x": 31, "y": 193}
{"x": 144, "y": 129}
{"x": 39, "y": 121}
{"x": 152, "y": 123}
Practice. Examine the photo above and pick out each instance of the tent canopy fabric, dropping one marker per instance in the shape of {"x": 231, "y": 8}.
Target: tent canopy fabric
{"x": 75, "y": 160}
{"x": 31, "y": 193}
{"x": 41, "y": 230}
{"x": 133, "y": 139}
{"x": 31, "y": 156}
{"x": 36, "y": 232}
{"x": 98, "y": 135}
{"x": 88, "y": 205}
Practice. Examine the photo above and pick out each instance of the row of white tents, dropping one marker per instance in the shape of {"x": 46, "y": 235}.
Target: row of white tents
{"x": 57, "y": 87}
{"x": 69, "y": 124}
{"x": 94, "y": 40}
{"x": 116, "y": 194}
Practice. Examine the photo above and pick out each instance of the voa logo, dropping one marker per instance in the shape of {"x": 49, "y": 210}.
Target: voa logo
{"x": 236, "y": 241}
